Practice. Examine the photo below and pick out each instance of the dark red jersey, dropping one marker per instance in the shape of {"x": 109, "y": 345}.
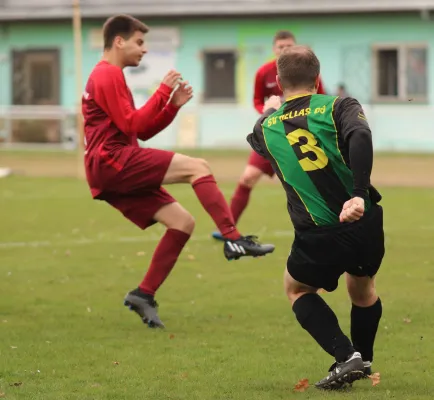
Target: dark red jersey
{"x": 112, "y": 124}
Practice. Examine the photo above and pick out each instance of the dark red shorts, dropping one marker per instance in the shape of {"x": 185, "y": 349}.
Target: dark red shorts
{"x": 135, "y": 189}
{"x": 261, "y": 163}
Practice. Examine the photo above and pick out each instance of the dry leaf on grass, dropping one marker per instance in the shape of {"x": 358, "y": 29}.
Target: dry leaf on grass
{"x": 375, "y": 378}
{"x": 95, "y": 385}
{"x": 191, "y": 257}
{"x": 407, "y": 320}
{"x": 302, "y": 385}
{"x": 115, "y": 363}
{"x": 2, "y": 395}
{"x": 140, "y": 253}
{"x": 171, "y": 336}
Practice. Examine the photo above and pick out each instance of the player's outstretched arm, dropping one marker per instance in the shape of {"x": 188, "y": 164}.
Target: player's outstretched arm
{"x": 113, "y": 97}
{"x": 180, "y": 97}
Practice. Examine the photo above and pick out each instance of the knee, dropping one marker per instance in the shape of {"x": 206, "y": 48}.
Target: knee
{"x": 293, "y": 289}
{"x": 201, "y": 167}
{"x": 183, "y": 222}
{"x": 363, "y": 297}
{"x": 250, "y": 177}
{"x": 187, "y": 224}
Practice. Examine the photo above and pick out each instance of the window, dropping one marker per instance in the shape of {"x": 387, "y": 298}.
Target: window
{"x": 36, "y": 78}
{"x": 400, "y": 72}
{"x": 219, "y": 76}
{"x": 36, "y": 82}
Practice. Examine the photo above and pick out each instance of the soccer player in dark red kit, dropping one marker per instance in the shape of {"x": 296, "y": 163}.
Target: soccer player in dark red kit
{"x": 129, "y": 177}
{"x": 257, "y": 166}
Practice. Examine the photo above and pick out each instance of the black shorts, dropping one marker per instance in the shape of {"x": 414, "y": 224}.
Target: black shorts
{"x": 321, "y": 255}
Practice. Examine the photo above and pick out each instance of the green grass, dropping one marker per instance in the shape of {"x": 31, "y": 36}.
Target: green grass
{"x": 67, "y": 261}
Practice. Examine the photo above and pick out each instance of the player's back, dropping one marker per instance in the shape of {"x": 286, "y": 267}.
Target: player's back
{"x": 304, "y": 139}
{"x": 101, "y": 134}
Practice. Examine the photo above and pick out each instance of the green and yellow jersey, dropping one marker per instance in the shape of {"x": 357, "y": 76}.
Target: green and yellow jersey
{"x": 306, "y": 141}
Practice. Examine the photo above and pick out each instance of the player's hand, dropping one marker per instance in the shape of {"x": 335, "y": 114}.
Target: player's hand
{"x": 352, "y": 210}
{"x": 272, "y": 102}
{"x": 172, "y": 78}
{"x": 182, "y": 94}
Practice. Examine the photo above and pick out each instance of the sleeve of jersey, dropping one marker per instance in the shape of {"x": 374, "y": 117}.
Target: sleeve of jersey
{"x": 113, "y": 98}
{"x": 162, "y": 120}
{"x": 256, "y": 138}
{"x": 354, "y": 127}
{"x": 258, "y": 94}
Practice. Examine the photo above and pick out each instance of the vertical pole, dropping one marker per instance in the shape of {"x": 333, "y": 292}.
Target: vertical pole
{"x": 78, "y": 55}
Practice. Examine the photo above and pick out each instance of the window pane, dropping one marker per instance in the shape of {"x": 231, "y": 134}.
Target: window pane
{"x": 220, "y": 76}
{"x": 36, "y": 77}
{"x": 41, "y": 81}
{"x": 416, "y": 72}
{"x": 387, "y": 84}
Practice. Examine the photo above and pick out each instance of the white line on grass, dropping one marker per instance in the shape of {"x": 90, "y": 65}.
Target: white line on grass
{"x": 120, "y": 239}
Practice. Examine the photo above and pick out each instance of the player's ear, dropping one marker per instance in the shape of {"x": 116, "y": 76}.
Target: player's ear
{"x": 317, "y": 80}
{"x": 119, "y": 41}
{"x": 279, "y": 85}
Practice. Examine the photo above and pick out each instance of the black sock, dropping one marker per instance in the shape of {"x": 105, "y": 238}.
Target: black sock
{"x": 320, "y": 321}
{"x": 364, "y": 325}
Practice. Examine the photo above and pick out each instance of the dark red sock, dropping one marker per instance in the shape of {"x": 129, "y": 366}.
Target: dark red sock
{"x": 163, "y": 260}
{"x": 214, "y": 203}
{"x": 239, "y": 201}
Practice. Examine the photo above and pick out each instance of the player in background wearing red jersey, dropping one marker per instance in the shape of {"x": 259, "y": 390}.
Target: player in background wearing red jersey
{"x": 129, "y": 177}
{"x": 257, "y": 166}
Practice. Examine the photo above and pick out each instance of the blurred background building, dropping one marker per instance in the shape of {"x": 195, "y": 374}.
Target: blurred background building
{"x": 376, "y": 51}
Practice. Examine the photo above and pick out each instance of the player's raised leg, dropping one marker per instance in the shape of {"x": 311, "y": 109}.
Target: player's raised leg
{"x": 366, "y": 313}
{"x": 180, "y": 225}
{"x": 196, "y": 171}
{"x": 319, "y": 320}
{"x": 256, "y": 167}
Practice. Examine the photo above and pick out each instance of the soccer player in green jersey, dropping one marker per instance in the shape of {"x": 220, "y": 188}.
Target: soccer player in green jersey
{"x": 321, "y": 149}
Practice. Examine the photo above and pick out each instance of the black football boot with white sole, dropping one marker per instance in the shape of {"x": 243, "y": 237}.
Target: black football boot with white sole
{"x": 246, "y": 246}
{"x": 343, "y": 374}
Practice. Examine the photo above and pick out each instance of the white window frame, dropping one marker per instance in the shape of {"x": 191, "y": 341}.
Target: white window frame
{"x": 402, "y": 72}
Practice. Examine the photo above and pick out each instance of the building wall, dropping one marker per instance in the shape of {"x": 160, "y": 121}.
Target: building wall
{"x": 342, "y": 43}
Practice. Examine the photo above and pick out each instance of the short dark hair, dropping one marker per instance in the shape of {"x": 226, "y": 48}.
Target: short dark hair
{"x": 282, "y": 35}
{"x": 298, "y": 67}
{"x": 121, "y": 25}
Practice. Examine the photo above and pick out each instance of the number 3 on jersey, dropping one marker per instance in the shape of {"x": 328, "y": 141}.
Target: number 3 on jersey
{"x": 310, "y": 156}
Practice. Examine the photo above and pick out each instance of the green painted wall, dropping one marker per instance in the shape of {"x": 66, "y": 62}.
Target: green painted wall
{"x": 342, "y": 43}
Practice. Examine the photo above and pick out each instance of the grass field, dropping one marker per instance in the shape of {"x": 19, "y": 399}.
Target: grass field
{"x": 67, "y": 261}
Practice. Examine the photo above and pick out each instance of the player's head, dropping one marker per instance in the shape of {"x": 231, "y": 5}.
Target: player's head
{"x": 281, "y": 41}
{"x": 124, "y": 35}
{"x": 298, "y": 69}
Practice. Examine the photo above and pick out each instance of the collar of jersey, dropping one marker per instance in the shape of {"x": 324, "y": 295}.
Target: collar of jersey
{"x": 298, "y": 96}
